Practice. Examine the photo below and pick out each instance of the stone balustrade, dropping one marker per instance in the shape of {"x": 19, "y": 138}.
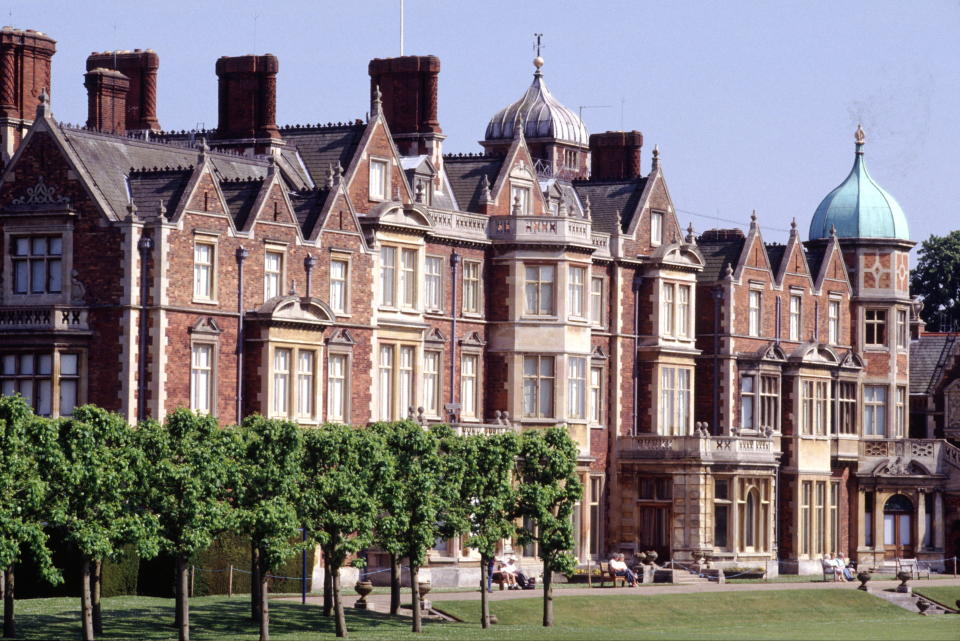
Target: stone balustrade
{"x": 898, "y": 454}
{"x": 732, "y": 449}
{"x": 558, "y": 230}
{"x": 57, "y": 318}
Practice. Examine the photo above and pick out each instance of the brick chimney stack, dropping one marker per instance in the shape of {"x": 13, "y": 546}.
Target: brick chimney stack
{"x": 24, "y": 73}
{"x": 248, "y": 97}
{"x": 106, "y": 100}
{"x": 408, "y": 87}
{"x": 615, "y": 155}
{"x": 140, "y": 67}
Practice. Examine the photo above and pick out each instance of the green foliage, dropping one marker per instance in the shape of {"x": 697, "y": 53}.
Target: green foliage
{"x": 96, "y": 483}
{"x": 488, "y": 489}
{"x": 936, "y": 279}
{"x": 187, "y": 482}
{"x": 120, "y": 576}
{"x": 341, "y": 468}
{"x": 549, "y": 488}
{"x": 27, "y": 450}
{"x": 268, "y": 487}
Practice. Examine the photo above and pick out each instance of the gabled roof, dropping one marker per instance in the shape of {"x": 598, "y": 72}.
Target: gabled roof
{"x": 607, "y": 198}
{"x": 240, "y": 196}
{"x": 924, "y": 356}
{"x": 719, "y": 247}
{"x": 307, "y": 207}
{"x": 466, "y": 174}
{"x": 321, "y": 147}
{"x": 151, "y": 188}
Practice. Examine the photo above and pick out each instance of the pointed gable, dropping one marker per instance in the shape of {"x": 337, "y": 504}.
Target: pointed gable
{"x": 517, "y": 170}
{"x": 376, "y": 144}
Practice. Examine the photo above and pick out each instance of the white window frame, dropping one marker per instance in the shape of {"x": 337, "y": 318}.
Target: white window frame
{"x": 25, "y": 259}
{"x": 280, "y": 382}
{"x": 273, "y": 279}
{"x": 814, "y": 407}
{"x": 684, "y": 307}
{"x": 205, "y": 274}
{"x": 306, "y": 401}
{"x": 469, "y": 385}
{"x": 543, "y": 289}
{"x": 875, "y": 399}
{"x": 526, "y": 198}
{"x": 668, "y": 309}
{"x": 754, "y": 312}
{"x": 656, "y": 228}
{"x": 472, "y": 291}
{"x": 796, "y": 317}
{"x": 875, "y": 323}
{"x": 338, "y": 386}
{"x": 576, "y": 387}
{"x": 903, "y": 332}
{"x": 433, "y": 283}
{"x": 900, "y": 412}
{"x": 200, "y": 401}
{"x": 432, "y": 382}
{"x": 537, "y": 382}
{"x": 388, "y": 275}
{"x": 340, "y": 287}
{"x": 596, "y": 300}
{"x": 833, "y": 322}
{"x": 379, "y": 187}
{"x": 576, "y": 290}
{"x": 596, "y": 395}
{"x": 675, "y": 401}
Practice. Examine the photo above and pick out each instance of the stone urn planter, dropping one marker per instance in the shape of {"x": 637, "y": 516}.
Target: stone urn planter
{"x": 651, "y": 557}
{"x": 863, "y": 576}
{"x": 904, "y": 577}
{"x": 923, "y": 605}
{"x": 424, "y": 591}
{"x": 363, "y": 588}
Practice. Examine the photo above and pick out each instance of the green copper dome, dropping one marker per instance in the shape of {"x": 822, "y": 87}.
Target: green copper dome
{"x": 859, "y": 207}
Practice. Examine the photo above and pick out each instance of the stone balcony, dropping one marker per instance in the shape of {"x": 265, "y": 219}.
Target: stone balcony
{"x": 716, "y": 449}
{"x": 907, "y": 457}
{"x": 548, "y": 230}
{"x": 48, "y": 318}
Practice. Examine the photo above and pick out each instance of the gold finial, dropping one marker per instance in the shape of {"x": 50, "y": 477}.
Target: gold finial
{"x": 859, "y": 136}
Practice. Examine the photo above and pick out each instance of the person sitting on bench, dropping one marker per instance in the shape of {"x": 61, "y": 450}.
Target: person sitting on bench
{"x": 509, "y": 572}
{"x": 619, "y": 568}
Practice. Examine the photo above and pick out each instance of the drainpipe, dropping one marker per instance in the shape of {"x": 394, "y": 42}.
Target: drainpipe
{"x": 308, "y": 264}
{"x": 454, "y": 261}
{"x": 241, "y": 255}
{"x": 637, "y": 281}
{"x": 144, "y": 245}
{"x": 717, "y": 299}
{"x": 779, "y": 320}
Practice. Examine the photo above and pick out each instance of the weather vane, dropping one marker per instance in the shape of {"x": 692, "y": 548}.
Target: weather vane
{"x": 537, "y": 43}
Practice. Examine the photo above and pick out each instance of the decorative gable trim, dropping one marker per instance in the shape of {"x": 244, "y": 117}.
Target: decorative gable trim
{"x": 342, "y": 336}
{"x": 434, "y": 335}
{"x": 472, "y": 340}
{"x": 206, "y": 326}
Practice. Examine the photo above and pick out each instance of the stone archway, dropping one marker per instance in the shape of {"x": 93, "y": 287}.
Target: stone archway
{"x": 898, "y": 527}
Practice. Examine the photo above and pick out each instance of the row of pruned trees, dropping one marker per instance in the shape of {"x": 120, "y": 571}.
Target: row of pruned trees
{"x": 173, "y": 487}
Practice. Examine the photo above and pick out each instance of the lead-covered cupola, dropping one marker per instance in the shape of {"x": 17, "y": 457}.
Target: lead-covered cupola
{"x": 859, "y": 207}
{"x": 557, "y": 139}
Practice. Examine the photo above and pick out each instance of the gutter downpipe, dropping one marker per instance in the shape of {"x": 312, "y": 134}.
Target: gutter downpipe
{"x": 242, "y": 254}
{"x": 454, "y": 261}
{"x": 144, "y": 245}
{"x": 717, "y": 299}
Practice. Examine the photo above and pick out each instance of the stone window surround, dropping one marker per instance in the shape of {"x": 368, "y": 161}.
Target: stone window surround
{"x": 673, "y": 332}
{"x": 292, "y": 382}
{"x": 56, "y": 351}
{"x": 477, "y": 353}
{"x": 212, "y": 239}
{"x": 398, "y": 305}
{"x": 758, "y": 373}
{"x": 44, "y": 225}
{"x": 427, "y": 307}
{"x": 340, "y": 347}
{"x": 343, "y": 256}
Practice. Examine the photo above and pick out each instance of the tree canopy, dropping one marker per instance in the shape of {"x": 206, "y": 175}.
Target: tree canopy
{"x": 936, "y": 280}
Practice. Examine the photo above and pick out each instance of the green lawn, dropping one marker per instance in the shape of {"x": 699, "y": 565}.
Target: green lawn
{"x": 844, "y": 615}
{"x": 946, "y": 595}
{"x": 795, "y": 614}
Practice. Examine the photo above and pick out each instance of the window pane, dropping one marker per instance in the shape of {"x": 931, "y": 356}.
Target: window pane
{"x": 38, "y": 246}
{"x": 22, "y": 247}
{"x": 55, "y": 275}
{"x": 388, "y": 261}
{"x": 68, "y": 397}
{"x": 26, "y": 364}
{"x": 20, "y": 278}
{"x": 55, "y": 247}
{"x": 45, "y": 364}
{"x": 37, "y": 276}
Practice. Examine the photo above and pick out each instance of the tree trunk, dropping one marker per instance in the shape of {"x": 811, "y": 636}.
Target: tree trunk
{"x": 254, "y": 582}
{"x": 327, "y": 588}
{"x": 484, "y": 601}
{"x": 547, "y": 596}
{"x": 177, "y": 609}
{"x": 183, "y": 600}
{"x": 9, "y": 621}
{"x": 86, "y": 602}
{"x": 96, "y": 583}
{"x": 338, "y": 602}
{"x": 415, "y": 590}
{"x": 394, "y": 584}
{"x": 264, "y": 608}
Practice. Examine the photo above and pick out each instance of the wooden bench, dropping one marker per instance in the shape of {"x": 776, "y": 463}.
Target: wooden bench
{"x": 606, "y": 574}
{"x": 914, "y": 567}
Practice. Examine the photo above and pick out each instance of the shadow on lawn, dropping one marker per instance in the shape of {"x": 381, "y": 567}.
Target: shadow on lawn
{"x": 221, "y": 619}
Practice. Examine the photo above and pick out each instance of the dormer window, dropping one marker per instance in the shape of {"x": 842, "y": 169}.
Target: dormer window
{"x": 520, "y": 200}
{"x": 378, "y": 179}
{"x": 656, "y": 228}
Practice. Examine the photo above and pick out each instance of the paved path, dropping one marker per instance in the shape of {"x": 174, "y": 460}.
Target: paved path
{"x": 381, "y": 602}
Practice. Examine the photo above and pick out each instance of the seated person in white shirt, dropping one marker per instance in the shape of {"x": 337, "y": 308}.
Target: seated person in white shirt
{"x": 619, "y": 568}
{"x": 509, "y": 572}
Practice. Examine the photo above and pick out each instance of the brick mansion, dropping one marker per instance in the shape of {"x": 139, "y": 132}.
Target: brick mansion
{"x": 733, "y": 400}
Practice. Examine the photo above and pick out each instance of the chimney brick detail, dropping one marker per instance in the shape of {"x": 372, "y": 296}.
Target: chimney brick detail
{"x": 140, "y": 67}
{"x": 106, "y": 100}
{"x": 408, "y": 86}
{"x": 24, "y": 71}
{"x": 248, "y": 97}
{"x": 615, "y": 155}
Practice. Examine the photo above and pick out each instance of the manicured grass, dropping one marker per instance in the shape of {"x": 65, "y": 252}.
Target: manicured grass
{"x": 947, "y": 595}
{"x": 844, "y": 615}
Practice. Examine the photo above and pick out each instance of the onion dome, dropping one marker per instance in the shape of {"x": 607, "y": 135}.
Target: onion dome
{"x": 859, "y": 207}
{"x": 541, "y": 115}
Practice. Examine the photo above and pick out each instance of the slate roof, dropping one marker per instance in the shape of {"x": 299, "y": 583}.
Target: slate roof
{"x": 307, "y": 206}
{"x": 606, "y": 198}
{"x": 150, "y": 189}
{"x": 815, "y": 261}
{"x": 924, "y": 355}
{"x": 240, "y": 196}
{"x": 320, "y": 147}
{"x": 110, "y": 159}
{"x": 775, "y": 254}
{"x": 717, "y": 254}
{"x": 466, "y": 177}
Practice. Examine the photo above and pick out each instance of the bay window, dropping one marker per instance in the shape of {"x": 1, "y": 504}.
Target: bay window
{"x": 397, "y": 382}
{"x": 398, "y": 280}
{"x": 538, "y": 385}
{"x": 596, "y": 300}
{"x": 666, "y": 309}
{"x": 876, "y": 327}
{"x": 902, "y": 329}
{"x": 576, "y": 387}
{"x": 538, "y": 287}
{"x": 575, "y": 290}
{"x": 846, "y": 422}
{"x": 281, "y": 382}
{"x": 874, "y": 410}
{"x": 814, "y": 407}
{"x": 674, "y": 401}
{"x": 305, "y": 393}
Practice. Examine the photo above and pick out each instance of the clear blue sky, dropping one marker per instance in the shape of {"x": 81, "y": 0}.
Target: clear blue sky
{"x": 753, "y": 104}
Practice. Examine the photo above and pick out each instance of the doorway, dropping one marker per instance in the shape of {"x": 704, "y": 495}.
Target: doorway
{"x": 898, "y": 528}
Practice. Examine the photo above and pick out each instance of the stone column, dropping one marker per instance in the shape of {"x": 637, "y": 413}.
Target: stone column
{"x": 938, "y": 533}
{"x": 861, "y": 518}
{"x": 735, "y": 513}
{"x": 921, "y": 520}
{"x": 878, "y": 539}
